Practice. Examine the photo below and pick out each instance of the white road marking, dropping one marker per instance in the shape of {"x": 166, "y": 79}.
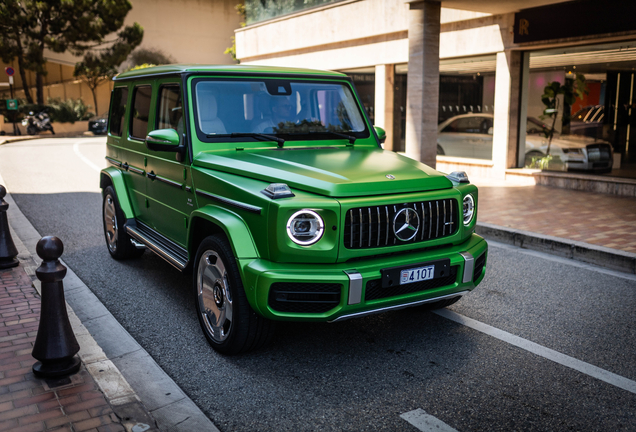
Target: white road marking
{"x": 426, "y": 422}
{"x": 547, "y": 353}
{"x": 84, "y": 158}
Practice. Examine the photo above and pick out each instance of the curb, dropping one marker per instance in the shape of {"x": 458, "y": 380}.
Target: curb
{"x": 131, "y": 380}
{"x": 12, "y": 139}
{"x": 579, "y": 251}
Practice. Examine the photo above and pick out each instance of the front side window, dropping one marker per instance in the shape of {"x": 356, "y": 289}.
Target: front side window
{"x": 118, "y": 110}
{"x": 140, "y": 112}
{"x": 293, "y": 110}
{"x": 170, "y": 112}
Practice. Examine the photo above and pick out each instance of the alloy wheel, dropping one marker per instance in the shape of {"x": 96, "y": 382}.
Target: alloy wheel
{"x": 110, "y": 223}
{"x": 214, "y": 296}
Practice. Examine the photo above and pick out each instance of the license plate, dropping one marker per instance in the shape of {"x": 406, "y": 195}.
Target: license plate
{"x": 396, "y": 276}
{"x": 417, "y": 274}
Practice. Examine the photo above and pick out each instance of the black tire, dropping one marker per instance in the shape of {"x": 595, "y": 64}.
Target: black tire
{"x": 440, "y": 150}
{"x": 117, "y": 240}
{"x": 31, "y": 130}
{"x": 441, "y": 304}
{"x": 219, "y": 292}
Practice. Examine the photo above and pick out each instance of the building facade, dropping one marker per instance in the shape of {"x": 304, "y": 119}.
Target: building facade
{"x": 460, "y": 84}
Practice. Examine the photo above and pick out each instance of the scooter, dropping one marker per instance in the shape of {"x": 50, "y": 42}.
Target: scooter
{"x": 36, "y": 123}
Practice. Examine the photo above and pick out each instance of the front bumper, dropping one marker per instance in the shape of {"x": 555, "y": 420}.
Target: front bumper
{"x": 353, "y": 288}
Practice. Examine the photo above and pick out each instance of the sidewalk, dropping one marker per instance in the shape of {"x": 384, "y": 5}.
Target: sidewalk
{"x": 119, "y": 386}
{"x": 586, "y": 226}
{"x": 28, "y": 403}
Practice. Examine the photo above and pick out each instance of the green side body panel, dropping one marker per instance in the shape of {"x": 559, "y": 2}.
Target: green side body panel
{"x": 117, "y": 181}
{"x": 232, "y": 225}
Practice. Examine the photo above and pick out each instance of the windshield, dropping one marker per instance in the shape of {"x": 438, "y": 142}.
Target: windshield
{"x": 292, "y": 109}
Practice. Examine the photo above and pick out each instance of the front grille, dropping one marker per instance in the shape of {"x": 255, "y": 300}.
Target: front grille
{"x": 371, "y": 227}
{"x": 304, "y": 297}
{"x": 599, "y": 152}
{"x": 375, "y": 291}
{"x": 479, "y": 266}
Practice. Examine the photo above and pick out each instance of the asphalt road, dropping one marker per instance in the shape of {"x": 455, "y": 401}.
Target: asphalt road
{"x": 359, "y": 374}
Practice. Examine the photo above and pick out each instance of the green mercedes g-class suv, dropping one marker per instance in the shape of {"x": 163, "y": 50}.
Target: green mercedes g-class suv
{"x": 272, "y": 186}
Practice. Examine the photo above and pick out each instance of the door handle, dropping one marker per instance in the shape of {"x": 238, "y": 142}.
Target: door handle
{"x": 152, "y": 175}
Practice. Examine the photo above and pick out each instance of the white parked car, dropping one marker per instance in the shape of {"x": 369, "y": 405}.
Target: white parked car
{"x": 470, "y": 135}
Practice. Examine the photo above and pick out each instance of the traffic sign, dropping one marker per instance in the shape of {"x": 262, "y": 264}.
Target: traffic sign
{"x": 12, "y": 104}
{"x": 9, "y": 70}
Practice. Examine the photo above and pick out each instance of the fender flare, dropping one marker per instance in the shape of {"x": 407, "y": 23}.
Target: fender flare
{"x": 113, "y": 176}
{"x": 240, "y": 239}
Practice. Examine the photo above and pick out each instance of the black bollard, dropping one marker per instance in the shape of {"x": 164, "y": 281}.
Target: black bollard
{"x": 8, "y": 251}
{"x": 55, "y": 344}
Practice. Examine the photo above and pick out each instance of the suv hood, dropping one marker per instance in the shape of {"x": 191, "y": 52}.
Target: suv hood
{"x": 330, "y": 171}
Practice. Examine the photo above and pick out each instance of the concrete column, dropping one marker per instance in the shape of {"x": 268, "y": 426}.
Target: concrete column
{"x": 506, "y": 123}
{"x": 384, "y": 93}
{"x": 422, "y": 96}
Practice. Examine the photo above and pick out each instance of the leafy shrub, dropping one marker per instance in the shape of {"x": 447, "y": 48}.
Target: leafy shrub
{"x": 68, "y": 111}
{"x": 549, "y": 162}
{"x": 141, "y": 66}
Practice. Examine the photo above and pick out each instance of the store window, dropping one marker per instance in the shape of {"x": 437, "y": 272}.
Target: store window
{"x": 593, "y": 131}
{"x": 466, "y": 107}
{"x": 365, "y": 86}
{"x": 399, "y": 109}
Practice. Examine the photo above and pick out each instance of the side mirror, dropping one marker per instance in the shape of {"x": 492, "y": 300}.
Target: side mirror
{"x": 381, "y": 133}
{"x": 163, "y": 140}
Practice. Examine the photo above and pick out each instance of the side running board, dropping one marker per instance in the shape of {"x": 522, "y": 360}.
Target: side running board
{"x": 176, "y": 255}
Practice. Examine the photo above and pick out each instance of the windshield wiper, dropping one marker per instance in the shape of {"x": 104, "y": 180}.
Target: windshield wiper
{"x": 280, "y": 141}
{"x": 351, "y": 138}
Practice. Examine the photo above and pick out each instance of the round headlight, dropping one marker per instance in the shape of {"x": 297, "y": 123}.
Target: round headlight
{"x": 305, "y": 227}
{"x": 469, "y": 209}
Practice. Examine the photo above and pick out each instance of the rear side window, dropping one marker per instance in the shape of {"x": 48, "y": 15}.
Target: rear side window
{"x": 140, "y": 112}
{"x": 170, "y": 111}
{"x": 118, "y": 110}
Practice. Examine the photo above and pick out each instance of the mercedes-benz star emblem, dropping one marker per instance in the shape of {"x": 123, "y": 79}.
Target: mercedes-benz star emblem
{"x": 390, "y": 176}
{"x": 406, "y": 223}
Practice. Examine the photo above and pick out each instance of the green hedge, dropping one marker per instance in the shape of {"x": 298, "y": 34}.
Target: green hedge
{"x": 63, "y": 111}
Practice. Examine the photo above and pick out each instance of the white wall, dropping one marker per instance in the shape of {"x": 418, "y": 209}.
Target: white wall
{"x": 343, "y": 36}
